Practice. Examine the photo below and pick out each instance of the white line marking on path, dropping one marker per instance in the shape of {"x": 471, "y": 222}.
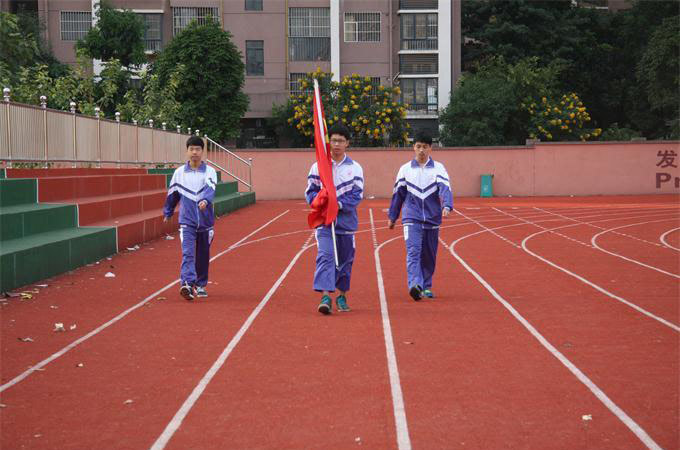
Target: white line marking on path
{"x": 176, "y": 421}
{"x": 403, "y": 439}
{"x": 618, "y": 412}
{"x": 578, "y": 277}
{"x": 662, "y": 238}
{"x": 593, "y": 240}
{"x": 602, "y": 228}
{"x": 97, "y": 330}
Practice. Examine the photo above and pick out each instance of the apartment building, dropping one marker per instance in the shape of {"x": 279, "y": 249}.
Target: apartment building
{"x": 414, "y": 44}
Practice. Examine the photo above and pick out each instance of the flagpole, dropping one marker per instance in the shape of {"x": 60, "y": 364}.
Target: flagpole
{"x": 322, "y": 126}
{"x": 335, "y": 246}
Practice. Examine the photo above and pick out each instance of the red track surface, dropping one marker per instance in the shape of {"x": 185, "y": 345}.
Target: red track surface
{"x": 471, "y": 373}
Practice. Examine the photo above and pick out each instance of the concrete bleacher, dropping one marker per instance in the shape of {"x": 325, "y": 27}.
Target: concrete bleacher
{"x": 55, "y": 220}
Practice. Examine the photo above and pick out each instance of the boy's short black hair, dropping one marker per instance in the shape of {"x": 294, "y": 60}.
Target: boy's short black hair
{"x": 195, "y": 140}
{"x": 340, "y": 129}
{"x": 423, "y": 137}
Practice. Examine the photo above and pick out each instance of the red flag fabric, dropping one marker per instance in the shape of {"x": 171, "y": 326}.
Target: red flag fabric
{"x": 325, "y": 205}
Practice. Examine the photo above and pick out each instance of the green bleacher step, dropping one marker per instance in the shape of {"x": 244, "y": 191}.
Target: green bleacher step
{"x": 27, "y": 219}
{"x": 33, "y": 258}
{"x": 231, "y": 202}
{"x": 17, "y": 191}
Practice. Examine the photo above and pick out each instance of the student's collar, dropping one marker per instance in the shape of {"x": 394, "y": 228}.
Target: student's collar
{"x": 429, "y": 163}
{"x": 345, "y": 160}
{"x": 201, "y": 167}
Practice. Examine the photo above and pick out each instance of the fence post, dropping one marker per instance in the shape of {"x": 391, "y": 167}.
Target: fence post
{"x": 134, "y": 122}
{"x": 99, "y": 139}
{"x": 5, "y": 96}
{"x": 43, "y": 104}
{"x": 118, "y": 131}
{"x": 250, "y": 175}
{"x": 153, "y": 156}
{"x": 165, "y": 140}
{"x": 72, "y": 105}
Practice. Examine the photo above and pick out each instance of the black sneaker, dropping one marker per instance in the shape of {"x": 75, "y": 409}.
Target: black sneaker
{"x": 416, "y": 293}
{"x": 187, "y": 291}
{"x": 201, "y": 292}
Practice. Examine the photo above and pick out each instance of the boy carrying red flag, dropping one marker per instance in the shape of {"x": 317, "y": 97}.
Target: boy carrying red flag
{"x": 335, "y": 186}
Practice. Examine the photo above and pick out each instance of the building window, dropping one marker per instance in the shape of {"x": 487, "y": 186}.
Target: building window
{"x": 418, "y": 63}
{"x": 309, "y": 30}
{"x": 183, "y": 16}
{"x": 419, "y": 31}
{"x": 418, "y": 4}
{"x": 362, "y": 27}
{"x": 420, "y": 94}
{"x": 153, "y": 24}
{"x": 253, "y": 5}
{"x": 295, "y": 88}
{"x": 254, "y": 57}
{"x": 75, "y": 24}
{"x": 375, "y": 82}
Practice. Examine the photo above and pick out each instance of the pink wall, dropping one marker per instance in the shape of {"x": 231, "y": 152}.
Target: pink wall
{"x": 593, "y": 168}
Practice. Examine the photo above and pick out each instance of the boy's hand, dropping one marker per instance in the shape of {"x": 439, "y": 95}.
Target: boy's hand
{"x": 166, "y": 218}
{"x": 321, "y": 199}
{"x": 202, "y": 205}
{"x": 390, "y": 224}
{"x": 445, "y": 212}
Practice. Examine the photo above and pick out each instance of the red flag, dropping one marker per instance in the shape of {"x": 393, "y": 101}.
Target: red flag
{"x": 325, "y": 205}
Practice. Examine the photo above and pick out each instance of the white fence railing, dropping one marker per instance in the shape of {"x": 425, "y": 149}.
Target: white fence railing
{"x": 230, "y": 163}
{"x": 36, "y": 134}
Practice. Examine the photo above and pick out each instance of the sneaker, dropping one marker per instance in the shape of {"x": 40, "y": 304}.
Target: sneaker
{"x": 326, "y": 305}
{"x": 341, "y": 301}
{"x": 416, "y": 293}
{"x": 187, "y": 291}
{"x": 201, "y": 292}
{"x": 428, "y": 293}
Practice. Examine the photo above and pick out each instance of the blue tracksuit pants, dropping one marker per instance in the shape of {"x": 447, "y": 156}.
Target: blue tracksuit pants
{"x": 195, "y": 255}
{"x": 421, "y": 254}
{"x": 326, "y": 276}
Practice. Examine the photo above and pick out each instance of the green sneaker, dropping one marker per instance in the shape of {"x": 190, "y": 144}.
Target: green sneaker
{"x": 326, "y": 305}
{"x": 341, "y": 301}
{"x": 428, "y": 293}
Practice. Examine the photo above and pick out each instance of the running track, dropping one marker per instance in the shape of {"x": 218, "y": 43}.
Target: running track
{"x": 555, "y": 326}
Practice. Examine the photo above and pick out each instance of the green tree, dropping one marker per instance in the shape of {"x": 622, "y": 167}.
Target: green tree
{"x": 210, "y": 90}
{"x": 22, "y": 45}
{"x": 117, "y": 35}
{"x": 504, "y": 104}
{"x": 372, "y": 113}
{"x": 658, "y": 71}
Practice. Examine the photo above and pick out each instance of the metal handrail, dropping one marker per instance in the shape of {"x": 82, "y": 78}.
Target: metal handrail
{"x": 230, "y": 163}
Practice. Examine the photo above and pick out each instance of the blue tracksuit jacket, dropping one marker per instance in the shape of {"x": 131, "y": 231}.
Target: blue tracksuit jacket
{"x": 348, "y": 177}
{"x": 188, "y": 188}
{"x": 423, "y": 192}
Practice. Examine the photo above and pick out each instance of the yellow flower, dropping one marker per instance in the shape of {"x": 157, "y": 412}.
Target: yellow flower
{"x": 378, "y": 121}
{"x": 387, "y": 119}
{"x": 355, "y": 106}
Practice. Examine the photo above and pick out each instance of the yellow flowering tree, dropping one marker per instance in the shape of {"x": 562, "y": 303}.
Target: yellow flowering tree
{"x": 372, "y": 113}
{"x": 564, "y": 119}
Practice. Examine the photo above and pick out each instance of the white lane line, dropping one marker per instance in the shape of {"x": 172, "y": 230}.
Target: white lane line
{"x": 593, "y": 240}
{"x": 662, "y": 238}
{"x": 97, "y": 330}
{"x": 403, "y": 439}
{"x": 613, "y": 407}
{"x": 578, "y": 277}
{"x": 179, "y": 416}
{"x": 620, "y": 234}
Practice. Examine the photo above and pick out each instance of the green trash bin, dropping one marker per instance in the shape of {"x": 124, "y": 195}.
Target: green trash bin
{"x": 487, "y": 186}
